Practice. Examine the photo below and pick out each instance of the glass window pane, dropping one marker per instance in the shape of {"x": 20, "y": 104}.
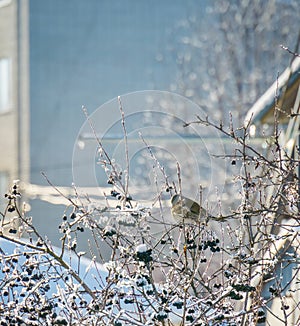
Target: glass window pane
{"x": 4, "y": 3}
{"x": 5, "y": 84}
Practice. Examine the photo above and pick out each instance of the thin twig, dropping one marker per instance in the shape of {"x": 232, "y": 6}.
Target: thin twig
{"x": 126, "y": 148}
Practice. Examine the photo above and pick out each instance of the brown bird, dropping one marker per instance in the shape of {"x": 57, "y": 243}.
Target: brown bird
{"x": 188, "y": 211}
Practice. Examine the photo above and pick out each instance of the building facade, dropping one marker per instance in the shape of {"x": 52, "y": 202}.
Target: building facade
{"x": 14, "y": 109}
{"x": 56, "y": 56}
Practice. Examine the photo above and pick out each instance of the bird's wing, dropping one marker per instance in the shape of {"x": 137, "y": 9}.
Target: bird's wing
{"x": 195, "y": 208}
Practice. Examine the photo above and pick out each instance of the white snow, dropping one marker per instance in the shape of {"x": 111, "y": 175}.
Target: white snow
{"x": 267, "y": 99}
{"x": 141, "y": 248}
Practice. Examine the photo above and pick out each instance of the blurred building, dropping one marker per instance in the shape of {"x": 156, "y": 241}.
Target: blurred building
{"x": 56, "y": 56}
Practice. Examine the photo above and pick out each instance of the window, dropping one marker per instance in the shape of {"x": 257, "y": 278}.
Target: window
{"x": 3, "y": 189}
{"x": 4, "y": 3}
{"x": 5, "y": 84}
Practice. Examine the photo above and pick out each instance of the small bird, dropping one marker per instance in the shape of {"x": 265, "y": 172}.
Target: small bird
{"x": 187, "y": 210}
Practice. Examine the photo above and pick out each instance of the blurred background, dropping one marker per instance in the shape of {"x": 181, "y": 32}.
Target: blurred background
{"x": 57, "y": 55}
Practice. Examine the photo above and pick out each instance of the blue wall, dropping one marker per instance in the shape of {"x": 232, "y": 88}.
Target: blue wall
{"x": 88, "y": 52}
